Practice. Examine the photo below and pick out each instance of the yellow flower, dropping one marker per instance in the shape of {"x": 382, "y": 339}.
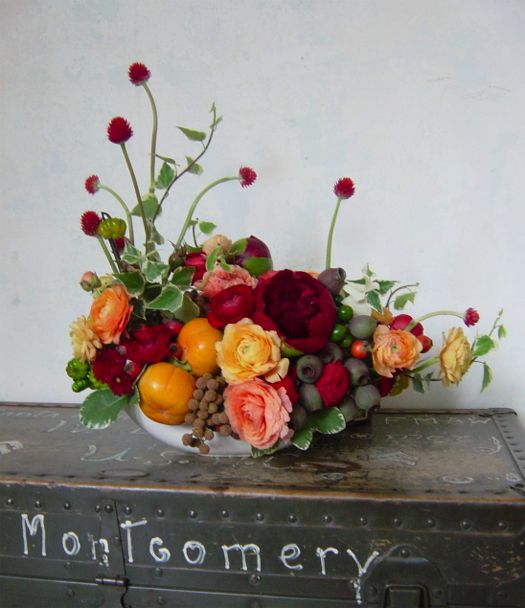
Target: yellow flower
{"x": 455, "y": 356}
{"x": 247, "y": 351}
{"x": 84, "y": 340}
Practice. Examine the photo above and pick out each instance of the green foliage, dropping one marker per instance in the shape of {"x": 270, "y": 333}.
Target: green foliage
{"x": 483, "y": 345}
{"x": 256, "y": 453}
{"x": 401, "y": 301}
{"x": 487, "y": 377}
{"x": 193, "y": 167}
{"x": 165, "y": 176}
{"x": 211, "y": 260}
{"x": 187, "y": 310}
{"x": 182, "y": 276}
{"x": 193, "y": 135}
{"x": 154, "y": 270}
{"x": 170, "y": 299}
{"x": 133, "y": 281}
{"x": 373, "y": 298}
{"x": 150, "y": 204}
{"x": 328, "y": 421}
{"x": 207, "y": 227}
{"x": 132, "y": 255}
{"x": 101, "y": 408}
{"x": 302, "y": 439}
{"x": 385, "y": 286}
{"x": 417, "y": 383}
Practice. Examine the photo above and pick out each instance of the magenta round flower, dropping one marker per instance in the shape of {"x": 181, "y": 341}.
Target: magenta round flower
{"x": 119, "y": 130}
{"x": 138, "y": 73}
{"x": 247, "y": 175}
{"x": 471, "y": 317}
{"x": 344, "y": 188}
{"x": 89, "y": 222}
{"x": 92, "y": 184}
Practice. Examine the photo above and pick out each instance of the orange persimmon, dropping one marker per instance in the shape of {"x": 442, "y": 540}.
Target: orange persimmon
{"x": 197, "y": 341}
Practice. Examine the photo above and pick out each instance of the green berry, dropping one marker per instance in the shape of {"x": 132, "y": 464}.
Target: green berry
{"x": 338, "y": 332}
{"x": 346, "y": 342}
{"x": 345, "y": 313}
{"x": 362, "y": 326}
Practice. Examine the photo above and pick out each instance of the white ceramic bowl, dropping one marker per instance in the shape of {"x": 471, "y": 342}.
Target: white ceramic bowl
{"x": 172, "y": 435}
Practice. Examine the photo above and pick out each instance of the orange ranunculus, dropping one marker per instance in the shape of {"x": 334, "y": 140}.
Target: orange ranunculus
{"x": 110, "y": 313}
{"x": 258, "y": 413}
{"x": 394, "y": 349}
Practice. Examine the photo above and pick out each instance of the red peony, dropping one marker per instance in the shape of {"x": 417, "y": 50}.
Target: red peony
{"x": 344, "y": 188}
{"x": 89, "y": 222}
{"x": 333, "y": 383}
{"x": 289, "y": 386}
{"x": 138, "y": 73}
{"x": 197, "y": 260}
{"x": 148, "y": 344}
{"x": 299, "y": 307}
{"x": 92, "y": 184}
{"x": 110, "y": 367}
{"x": 471, "y": 317}
{"x": 119, "y": 130}
{"x": 247, "y": 175}
{"x": 231, "y": 305}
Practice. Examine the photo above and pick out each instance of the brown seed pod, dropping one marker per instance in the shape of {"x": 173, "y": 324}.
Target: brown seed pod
{"x": 210, "y": 395}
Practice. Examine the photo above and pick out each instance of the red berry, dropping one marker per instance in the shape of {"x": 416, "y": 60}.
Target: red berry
{"x": 401, "y": 321}
{"x": 359, "y": 349}
{"x": 426, "y": 343}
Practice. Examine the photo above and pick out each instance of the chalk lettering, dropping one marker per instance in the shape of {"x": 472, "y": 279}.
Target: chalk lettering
{"x": 322, "y": 553}
{"x": 249, "y": 549}
{"x": 104, "y": 545}
{"x": 289, "y": 552}
{"x": 163, "y": 554}
{"x": 71, "y": 536}
{"x": 361, "y": 571}
{"x": 36, "y": 522}
{"x": 92, "y": 450}
{"x": 193, "y": 545}
{"x": 127, "y": 525}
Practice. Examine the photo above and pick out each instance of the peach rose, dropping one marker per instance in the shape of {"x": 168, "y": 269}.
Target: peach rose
{"x": 394, "y": 349}
{"x": 258, "y": 413}
{"x": 455, "y": 356}
{"x": 110, "y": 313}
{"x": 219, "y": 279}
{"x": 217, "y": 240}
{"x": 247, "y": 351}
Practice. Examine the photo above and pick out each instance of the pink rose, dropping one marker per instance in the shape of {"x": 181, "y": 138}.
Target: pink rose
{"x": 258, "y": 413}
{"x": 219, "y": 279}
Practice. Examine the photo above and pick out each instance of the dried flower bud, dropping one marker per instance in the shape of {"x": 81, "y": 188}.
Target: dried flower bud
{"x": 89, "y": 281}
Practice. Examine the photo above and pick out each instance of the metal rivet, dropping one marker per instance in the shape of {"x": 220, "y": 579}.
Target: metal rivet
{"x": 430, "y": 523}
{"x": 108, "y": 508}
{"x": 127, "y": 510}
{"x": 98, "y": 508}
{"x": 160, "y": 512}
{"x": 502, "y": 525}
{"x": 67, "y": 506}
{"x": 38, "y": 503}
{"x": 363, "y": 521}
{"x": 405, "y": 553}
{"x": 158, "y": 571}
{"x": 225, "y": 514}
{"x": 259, "y": 516}
{"x": 254, "y": 579}
{"x": 71, "y": 592}
{"x": 372, "y": 591}
{"x": 192, "y": 514}
{"x": 501, "y": 595}
{"x": 327, "y": 519}
{"x": 397, "y": 522}
{"x": 10, "y": 502}
{"x": 67, "y": 565}
{"x": 292, "y": 518}
{"x": 160, "y": 600}
{"x": 465, "y": 524}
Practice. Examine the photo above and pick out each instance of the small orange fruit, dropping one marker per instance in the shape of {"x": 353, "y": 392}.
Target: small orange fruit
{"x": 197, "y": 341}
{"x": 165, "y": 390}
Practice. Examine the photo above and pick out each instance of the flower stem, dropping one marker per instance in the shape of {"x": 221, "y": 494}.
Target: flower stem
{"x": 423, "y": 365}
{"x": 137, "y": 191}
{"x": 437, "y": 313}
{"x": 153, "y": 138}
{"x": 193, "y": 206}
{"x": 107, "y": 254}
{"x": 126, "y": 211}
{"x": 331, "y": 235}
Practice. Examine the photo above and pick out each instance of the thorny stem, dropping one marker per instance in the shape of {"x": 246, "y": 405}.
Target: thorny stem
{"x": 331, "y": 234}
{"x": 153, "y": 138}
{"x": 137, "y": 191}
{"x": 126, "y": 211}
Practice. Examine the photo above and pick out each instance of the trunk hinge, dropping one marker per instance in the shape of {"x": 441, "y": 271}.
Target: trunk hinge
{"x": 118, "y": 581}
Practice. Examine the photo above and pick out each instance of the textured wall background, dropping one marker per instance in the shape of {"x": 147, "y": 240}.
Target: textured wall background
{"x": 420, "y": 102}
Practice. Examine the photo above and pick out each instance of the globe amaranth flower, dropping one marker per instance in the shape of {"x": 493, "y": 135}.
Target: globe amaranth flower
{"x": 471, "y": 317}
{"x": 247, "y": 176}
{"x": 89, "y": 222}
{"x": 138, "y": 73}
{"x": 119, "y": 130}
{"x": 344, "y": 188}
{"x": 92, "y": 184}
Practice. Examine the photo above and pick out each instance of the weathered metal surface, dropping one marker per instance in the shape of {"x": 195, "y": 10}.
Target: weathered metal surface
{"x": 413, "y": 508}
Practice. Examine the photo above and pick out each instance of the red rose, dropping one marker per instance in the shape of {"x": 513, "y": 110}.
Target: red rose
{"x": 149, "y": 343}
{"x": 299, "y": 307}
{"x": 333, "y": 383}
{"x": 198, "y": 261}
{"x": 231, "y": 305}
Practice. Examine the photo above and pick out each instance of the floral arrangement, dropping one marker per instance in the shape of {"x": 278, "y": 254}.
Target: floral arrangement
{"x": 216, "y": 339}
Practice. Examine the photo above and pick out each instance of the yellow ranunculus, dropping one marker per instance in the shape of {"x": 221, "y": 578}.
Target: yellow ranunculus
{"x": 455, "y": 356}
{"x": 247, "y": 351}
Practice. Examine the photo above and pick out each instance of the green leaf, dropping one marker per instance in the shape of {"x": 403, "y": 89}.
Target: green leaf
{"x": 225, "y": 266}
{"x": 487, "y": 377}
{"x": 290, "y": 351}
{"x": 368, "y": 271}
{"x": 139, "y": 310}
{"x": 169, "y": 299}
{"x": 101, "y": 408}
{"x": 385, "y": 286}
{"x": 302, "y": 439}
{"x": 211, "y": 260}
{"x": 357, "y": 281}
{"x": 502, "y": 332}
{"x": 483, "y": 345}
{"x": 417, "y": 384}
{"x": 155, "y": 235}
{"x": 165, "y": 176}
{"x": 133, "y": 281}
{"x": 193, "y": 167}
{"x": 257, "y": 266}
{"x": 132, "y": 255}
{"x": 256, "y": 453}
{"x": 193, "y": 135}
{"x": 207, "y": 227}
{"x": 154, "y": 270}
{"x": 238, "y": 247}
{"x": 150, "y": 204}
{"x": 167, "y": 159}
{"x": 401, "y": 301}
{"x": 372, "y": 297}
{"x": 187, "y": 310}
{"x": 328, "y": 421}
{"x": 182, "y": 276}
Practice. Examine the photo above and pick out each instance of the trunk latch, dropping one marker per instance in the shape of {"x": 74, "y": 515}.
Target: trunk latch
{"x": 402, "y": 596}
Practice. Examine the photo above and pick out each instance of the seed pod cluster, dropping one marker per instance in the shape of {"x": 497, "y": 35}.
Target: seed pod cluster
{"x": 206, "y": 413}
